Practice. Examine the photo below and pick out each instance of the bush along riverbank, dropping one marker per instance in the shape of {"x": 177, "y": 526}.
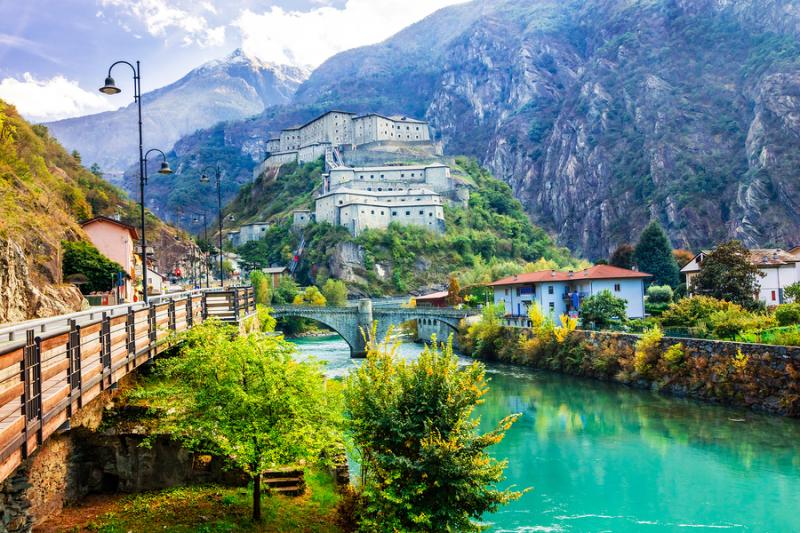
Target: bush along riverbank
{"x": 759, "y": 376}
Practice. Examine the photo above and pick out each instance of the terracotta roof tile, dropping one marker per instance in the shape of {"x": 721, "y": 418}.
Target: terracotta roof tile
{"x": 595, "y": 272}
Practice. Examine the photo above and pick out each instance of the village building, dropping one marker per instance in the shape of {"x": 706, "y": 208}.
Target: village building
{"x": 247, "y": 233}
{"x": 301, "y": 218}
{"x": 558, "y": 293}
{"x": 274, "y": 274}
{"x": 117, "y": 241}
{"x": 358, "y": 210}
{"x": 779, "y": 268}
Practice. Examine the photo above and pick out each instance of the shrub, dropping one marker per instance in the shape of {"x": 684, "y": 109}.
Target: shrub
{"x": 657, "y": 294}
{"x": 648, "y": 349}
{"x": 788, "y": 314}
{"x": 482, "y": 336}
{"x": 674, "y": 356}
{"x": 730, "y": 323}
{"x": 690, "y": 312}
{"x": 567, "y": 326}
{"x": 310, "y": 296}
{"x": 602, "y": 309}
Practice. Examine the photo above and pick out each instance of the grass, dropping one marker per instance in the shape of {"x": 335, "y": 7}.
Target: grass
{"x": 209, "y": 508}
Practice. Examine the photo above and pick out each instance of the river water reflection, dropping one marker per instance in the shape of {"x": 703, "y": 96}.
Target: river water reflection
{"x": 602, "y": 457}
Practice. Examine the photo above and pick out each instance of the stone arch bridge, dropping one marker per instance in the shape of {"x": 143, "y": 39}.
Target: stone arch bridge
{"x": 351, "y": 320}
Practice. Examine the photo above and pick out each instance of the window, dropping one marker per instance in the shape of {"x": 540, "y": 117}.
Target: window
{"x": 341, "y": 202}
{"x": 773, "y": 296}
{"x": 381, "y": 212}
{"x": 412, "y": 174}
{"x": 372, "y": 176}
{"x": 372, "y": 212}
{"x": 552, "y": 306}
{"x": 517, "y": 291}
{"x": 380, "y": 189}
{"x": 549, "y": 289}
{"x": 617, "y": 288}
{"x": 408, "y": 213}
{"x": 421, "y": 212}
{"x": 394, "y": 213}
{"x": 430, "y": 214}
{"x": 381, "y": 176}
{"x": 506, "y": 291}
{"x": 402, "y": 175}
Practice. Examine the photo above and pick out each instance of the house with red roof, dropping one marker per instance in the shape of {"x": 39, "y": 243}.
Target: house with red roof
{"x": 558, "y": 293}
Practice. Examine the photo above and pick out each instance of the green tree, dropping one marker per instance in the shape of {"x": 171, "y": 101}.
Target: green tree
{"x": 622, "y": 256}
{"x": 286, "y": 290}
{"x": 255, "y": 253}
{"x": 793, "y": 291}
{"x": 659, "y": 294}
{"x": 603, "y": 309}
{"x": 424, "y": 465}
{"x": 454, "y": 292}
{"x": 653, "y": 254}
{"x": 335, "y": 292}
{"x": 245, "y": 399}
{"x": 260, "y": 283}
{"x": 83, "y": 258}
{"x": 726, "y": 273}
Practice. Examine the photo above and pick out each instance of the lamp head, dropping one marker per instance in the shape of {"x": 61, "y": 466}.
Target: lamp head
{"x": 165, "y": 168}
{"x": 204, "y": 178}
{"x": 110, "y": 87}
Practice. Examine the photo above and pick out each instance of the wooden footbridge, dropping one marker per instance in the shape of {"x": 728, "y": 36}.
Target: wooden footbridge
{"x": 50, "y": 368}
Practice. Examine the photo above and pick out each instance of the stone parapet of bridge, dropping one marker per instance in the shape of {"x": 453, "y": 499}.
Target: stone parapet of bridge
{"x": 352, "y": 322}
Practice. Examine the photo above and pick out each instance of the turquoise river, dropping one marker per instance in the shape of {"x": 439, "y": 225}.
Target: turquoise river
{"x": 602, "y": 457}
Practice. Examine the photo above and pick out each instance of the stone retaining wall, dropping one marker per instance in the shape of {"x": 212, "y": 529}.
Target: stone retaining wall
{"x": 759, "y": 376}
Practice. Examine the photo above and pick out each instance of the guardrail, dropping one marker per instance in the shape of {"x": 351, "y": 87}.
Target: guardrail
{"x": 50, "y": 368}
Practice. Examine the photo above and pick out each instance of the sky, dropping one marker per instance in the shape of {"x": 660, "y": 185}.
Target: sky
{"x": 54, "y": 54}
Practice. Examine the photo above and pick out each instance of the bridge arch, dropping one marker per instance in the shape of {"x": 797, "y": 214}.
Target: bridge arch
{"x": 340, "y": 320}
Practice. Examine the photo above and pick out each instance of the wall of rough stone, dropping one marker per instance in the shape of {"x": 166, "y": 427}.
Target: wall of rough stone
{"x": 759, "y": 376}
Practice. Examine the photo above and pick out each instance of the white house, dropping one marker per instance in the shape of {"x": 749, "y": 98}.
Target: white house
{"x": 780, "y": 269}
{"x": 558, "y": 293}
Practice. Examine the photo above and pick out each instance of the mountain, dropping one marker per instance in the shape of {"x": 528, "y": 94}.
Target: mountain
{"x": 601, "y": 114}
{"x": 232, "y": 88}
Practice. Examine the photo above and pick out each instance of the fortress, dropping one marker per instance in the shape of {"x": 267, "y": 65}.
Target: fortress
{"x": 370, "y": 194}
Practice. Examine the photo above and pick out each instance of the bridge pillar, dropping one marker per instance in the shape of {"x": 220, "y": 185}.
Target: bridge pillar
{"x": 364, "y": 323}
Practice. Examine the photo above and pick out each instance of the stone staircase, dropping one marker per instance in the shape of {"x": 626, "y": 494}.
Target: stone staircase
{"x": 286, "y": 481}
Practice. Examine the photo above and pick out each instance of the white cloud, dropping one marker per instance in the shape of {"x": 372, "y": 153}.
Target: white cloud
{"x": 161, "y": 18}
{"x": 53, "y": 99}
{"x": 310, "y": 37}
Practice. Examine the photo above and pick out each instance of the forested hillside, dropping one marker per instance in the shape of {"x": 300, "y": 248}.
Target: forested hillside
{"x": 491, "y": 236}
{"x": 45, "y": 192}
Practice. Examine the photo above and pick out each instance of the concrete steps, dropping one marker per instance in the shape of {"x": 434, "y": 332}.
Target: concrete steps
{"x": 286, "y": 481}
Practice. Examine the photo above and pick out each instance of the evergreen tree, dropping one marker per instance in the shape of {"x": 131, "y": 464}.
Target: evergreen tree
{"x": 728, "y": 274}
{"x": 622, "y": 256}
{"x": 653, "y": 254}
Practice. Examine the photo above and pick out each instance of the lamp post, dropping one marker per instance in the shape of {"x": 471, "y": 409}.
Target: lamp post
{"x": 110, "y": 87}
{"x": 204, "y": 179}
{"x": 196, "y": 218}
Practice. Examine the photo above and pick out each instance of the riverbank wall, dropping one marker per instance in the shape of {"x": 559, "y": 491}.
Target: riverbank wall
{"x": 757, "y": 376}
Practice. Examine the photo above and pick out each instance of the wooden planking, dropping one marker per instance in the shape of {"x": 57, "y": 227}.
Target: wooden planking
{"x": 56, "y": 391}
{"x": 10, "y": 358}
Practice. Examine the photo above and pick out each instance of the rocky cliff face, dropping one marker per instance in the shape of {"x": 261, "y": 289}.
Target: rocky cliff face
{"x": 601, "y": 114}
{"x": 25, "y": 295}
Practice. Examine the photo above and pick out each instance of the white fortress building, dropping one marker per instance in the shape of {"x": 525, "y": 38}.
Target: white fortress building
{"x": 309, "y": 141}
{"x": 360, "y": 209}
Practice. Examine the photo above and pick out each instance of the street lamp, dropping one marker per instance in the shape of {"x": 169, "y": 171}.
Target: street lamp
{"x": 110, "y": 87}
{"x": 204, "y": 179}
{"x": 196, "y": 219}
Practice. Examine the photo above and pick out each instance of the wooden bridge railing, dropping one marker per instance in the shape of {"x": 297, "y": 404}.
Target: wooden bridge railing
{"x": 50, "y": 368}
